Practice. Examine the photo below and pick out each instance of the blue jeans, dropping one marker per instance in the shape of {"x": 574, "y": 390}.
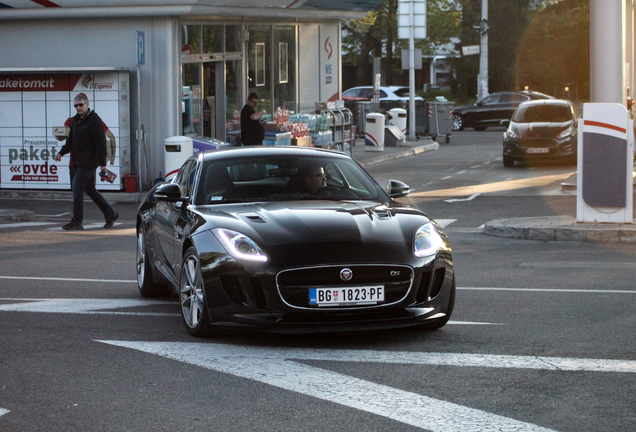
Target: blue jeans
{"x": 84, "y": 181}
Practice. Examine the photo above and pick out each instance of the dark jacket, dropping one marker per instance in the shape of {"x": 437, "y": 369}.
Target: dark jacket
{"x": 252, "y": 131}
{"x": 87, "y": 141}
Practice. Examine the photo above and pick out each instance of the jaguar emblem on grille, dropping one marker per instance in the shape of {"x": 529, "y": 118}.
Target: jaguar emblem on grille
{"x": 346, "y": 274}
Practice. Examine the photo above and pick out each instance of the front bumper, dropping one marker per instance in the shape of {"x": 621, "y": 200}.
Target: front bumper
{"x": 239, "y": 299}
{"x": 522, "y": 149}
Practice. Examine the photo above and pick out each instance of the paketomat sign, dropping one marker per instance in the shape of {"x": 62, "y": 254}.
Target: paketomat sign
{"x": 35, "y": 114}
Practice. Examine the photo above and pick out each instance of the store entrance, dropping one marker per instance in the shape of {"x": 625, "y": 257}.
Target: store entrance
{"x": 214, "y": 100}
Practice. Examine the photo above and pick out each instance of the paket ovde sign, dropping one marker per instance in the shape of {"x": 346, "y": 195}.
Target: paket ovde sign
{"x": 35, "y": 115}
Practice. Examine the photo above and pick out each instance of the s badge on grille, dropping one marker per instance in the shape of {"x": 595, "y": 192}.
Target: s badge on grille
{"x": 346, "y": 274}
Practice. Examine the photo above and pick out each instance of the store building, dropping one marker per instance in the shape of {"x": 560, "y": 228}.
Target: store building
{"x": 153, "y": 71}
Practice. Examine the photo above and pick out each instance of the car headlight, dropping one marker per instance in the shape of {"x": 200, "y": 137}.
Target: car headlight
{"x": 566, "y": 133}
{"x": 427, "y": 241}
{"x": 240, "y": 246}
{"x": 509, "y": 133}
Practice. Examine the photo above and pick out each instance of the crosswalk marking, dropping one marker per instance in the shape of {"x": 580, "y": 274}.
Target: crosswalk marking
{"x": 280, "y": 367}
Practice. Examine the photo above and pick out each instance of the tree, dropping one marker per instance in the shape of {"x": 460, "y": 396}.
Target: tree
{"x": 376, "y": 36}
{"x": 555, "y": 50}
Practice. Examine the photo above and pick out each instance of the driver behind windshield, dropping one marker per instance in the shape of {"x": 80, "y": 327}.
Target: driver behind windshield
{"x": 310, "y": 178}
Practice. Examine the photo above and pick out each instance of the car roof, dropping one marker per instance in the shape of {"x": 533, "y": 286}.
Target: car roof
{"x": 547, "y": 102}
{"x": 255, "y": 151}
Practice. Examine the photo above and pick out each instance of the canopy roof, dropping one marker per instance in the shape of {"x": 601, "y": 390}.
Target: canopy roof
{"x": 42, "y": 9}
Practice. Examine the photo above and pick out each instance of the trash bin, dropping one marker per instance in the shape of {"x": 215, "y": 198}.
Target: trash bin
{"x": 440, "y": 119}
{"x": 397, "y": 117}
{"x": 130, "y": 182}
{"x": 177, "y": 150}
{"x": 374, "y": 132}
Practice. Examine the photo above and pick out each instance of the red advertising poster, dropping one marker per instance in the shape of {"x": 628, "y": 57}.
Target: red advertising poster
{"x": 35, "y": 113}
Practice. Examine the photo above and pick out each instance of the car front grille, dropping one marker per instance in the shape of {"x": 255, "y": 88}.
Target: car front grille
{"x": 294, "y": 285}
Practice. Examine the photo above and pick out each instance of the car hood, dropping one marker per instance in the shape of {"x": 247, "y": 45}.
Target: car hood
{"x": 539, "y": 129}
{"x": 306, "y": 222}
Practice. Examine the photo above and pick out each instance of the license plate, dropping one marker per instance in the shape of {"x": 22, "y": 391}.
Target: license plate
{"x": 538, "y": 150}
{"x": 346, "y": 296}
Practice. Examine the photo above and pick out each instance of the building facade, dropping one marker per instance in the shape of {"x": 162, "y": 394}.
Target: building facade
{"x": 183, "y": 67}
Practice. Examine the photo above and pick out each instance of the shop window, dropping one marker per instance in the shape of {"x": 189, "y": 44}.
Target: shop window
{"x": 233, "y": 38}
{"x": 212, "y": 38}
{"x": 191, "y": 39}
{"x": 191, "y": 102}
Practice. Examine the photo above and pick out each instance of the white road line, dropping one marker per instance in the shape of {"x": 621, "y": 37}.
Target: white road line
{"x": 549, "y": 290}
{"x": 102, "y": 306}
{"x": 470, "y": 198}
{"x": 26, "y": 224}
{"x": 90, "y": 226}
{"x": 57, "y": 215}
{"x": 461, "y": 172}
{"x": 79, "y": 306}
{"x": 4, "y": 411}
{"x": 445, "y": 222}
{"x": 279, "y": 367}
{"x": 69, "y": 279}
{"x": 475, "y": 167}
{"x": 579, "y": 264}
{"x": 446, "y": 178}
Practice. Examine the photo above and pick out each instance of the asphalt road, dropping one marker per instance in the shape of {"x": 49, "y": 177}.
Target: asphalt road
{"x": 541, "y": 339}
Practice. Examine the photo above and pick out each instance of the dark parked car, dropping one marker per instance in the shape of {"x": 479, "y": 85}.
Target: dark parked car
{"x": 541, "y": 129}
{"x": 491, "y": 110}
{"x": 244, "y": 246}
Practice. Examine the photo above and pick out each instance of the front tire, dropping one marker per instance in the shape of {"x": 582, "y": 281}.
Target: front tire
{"x": 458, "y": 122}
{"x": 194, "y": 310}
{"x": 145, "y": 283}
{"x": 508, "y": 161}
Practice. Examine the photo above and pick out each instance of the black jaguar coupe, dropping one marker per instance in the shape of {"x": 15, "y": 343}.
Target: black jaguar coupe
{"x": 291, "y": 240}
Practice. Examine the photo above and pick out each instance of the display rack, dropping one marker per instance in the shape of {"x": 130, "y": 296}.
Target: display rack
{"x": 341, "y": 127}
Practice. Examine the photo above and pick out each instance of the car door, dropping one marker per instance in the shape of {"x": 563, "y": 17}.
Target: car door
{"x": 183, "y": 218}
{"x": 166, "y": 216}
{"x": 485, "y": 110}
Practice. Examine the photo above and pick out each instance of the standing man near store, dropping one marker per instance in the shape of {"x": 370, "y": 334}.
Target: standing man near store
{"x": 252, "y": 131}
{"x": 87, "y": 141}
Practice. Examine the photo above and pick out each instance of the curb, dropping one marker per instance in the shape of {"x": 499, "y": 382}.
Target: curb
{"x": 17, "y": 215}
{"x": 561, "y": 228}
{"x": 118, "y": 197}
{"x": 401, "y": 154}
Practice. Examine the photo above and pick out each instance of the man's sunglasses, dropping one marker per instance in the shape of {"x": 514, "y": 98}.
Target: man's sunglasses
{"x": 79, "y": 105}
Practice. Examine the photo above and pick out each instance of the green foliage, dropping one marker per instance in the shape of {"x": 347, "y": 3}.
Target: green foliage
{"x": 555, "y": 50}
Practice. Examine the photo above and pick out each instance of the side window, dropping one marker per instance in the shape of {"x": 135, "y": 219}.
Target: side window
{"x": 351, "y": 93}
{"x": 366, "y": 93}
{"x": 490, "y": 99}
{"x": 185, "y": 178}
{"x": 511, "y": 97}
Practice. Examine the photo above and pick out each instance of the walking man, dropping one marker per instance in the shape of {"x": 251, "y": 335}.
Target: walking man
{"x": 252, "y": 131}
{"x": 87, "y": 141}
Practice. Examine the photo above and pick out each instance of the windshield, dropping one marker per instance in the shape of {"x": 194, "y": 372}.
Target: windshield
{"x": 542, "y": 114}
{"x": 283, "y": 178}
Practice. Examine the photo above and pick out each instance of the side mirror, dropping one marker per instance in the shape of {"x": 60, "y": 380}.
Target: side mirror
{"x": 504, "y": 122}
{"x": 169, "y": 192}
{"x": 397, "y": 189}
